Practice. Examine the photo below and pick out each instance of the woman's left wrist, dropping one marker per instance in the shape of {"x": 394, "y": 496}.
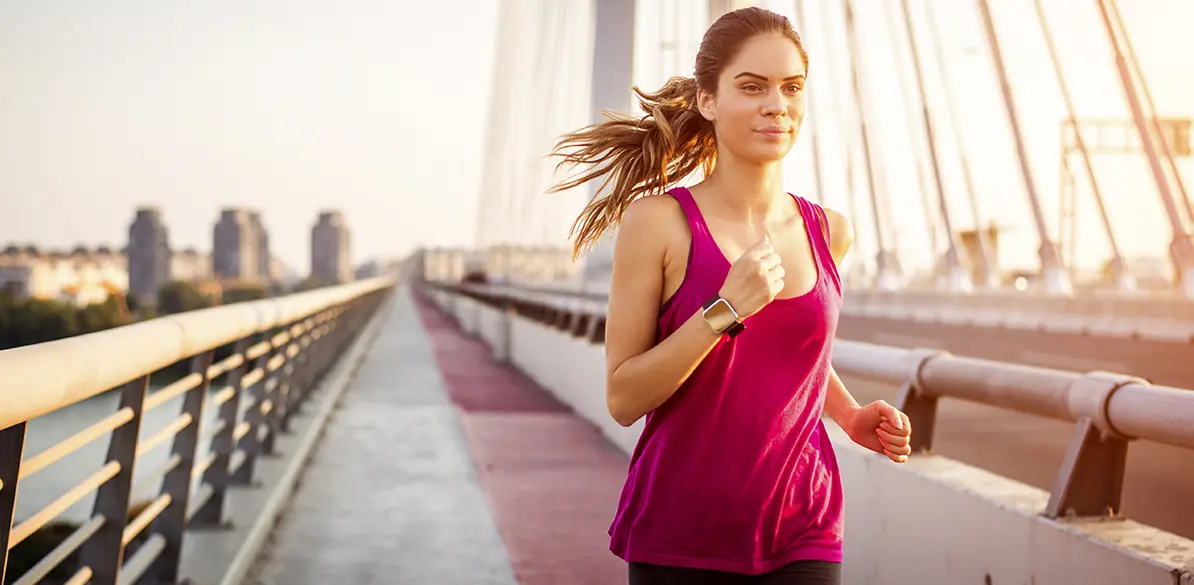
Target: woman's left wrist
{"x": 846, "y": 416}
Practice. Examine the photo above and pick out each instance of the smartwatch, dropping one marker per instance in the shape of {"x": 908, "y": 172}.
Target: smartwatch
{"x": 721, "y": 317}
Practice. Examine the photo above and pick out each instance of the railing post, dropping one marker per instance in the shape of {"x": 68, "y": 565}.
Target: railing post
{"x": 277, "y": 397}
{"x": 918, "y": 402}
{"x": 289, "y": 395}
{"x": 1090, "y": 481}
{"x": 300, "y": 377}
{"x": 172, "y": 523}
{"x": 312, "y": 353}
{"x": 211, "y": 513}
{"x": 342, "y": 330}
{"x": 599, "y": 330}
{"x": 250, "y": 443}
{"x": 506, "y": 312}
{"x": 103, "y": 553}
{"x": 346, "y": 326}
{"x": 12, "y": 449}
{"x": 323, "y": 347}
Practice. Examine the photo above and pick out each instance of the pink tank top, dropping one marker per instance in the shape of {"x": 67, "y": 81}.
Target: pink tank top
{"x": 735, "y": 472}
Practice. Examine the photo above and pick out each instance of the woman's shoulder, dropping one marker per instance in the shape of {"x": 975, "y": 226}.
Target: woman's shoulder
{"x": 653, "y": 225}
{"x": 841, "y": 232}
{"x": 660, "y": 215}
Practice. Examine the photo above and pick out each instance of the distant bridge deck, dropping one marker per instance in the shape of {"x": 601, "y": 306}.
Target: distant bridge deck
{"x": 441, "y": 466}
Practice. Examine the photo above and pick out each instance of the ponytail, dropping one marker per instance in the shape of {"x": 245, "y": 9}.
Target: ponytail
{"x": 641, "y": 156}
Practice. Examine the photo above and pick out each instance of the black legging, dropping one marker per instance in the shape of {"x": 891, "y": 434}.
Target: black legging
{"x": 797, "y": 573}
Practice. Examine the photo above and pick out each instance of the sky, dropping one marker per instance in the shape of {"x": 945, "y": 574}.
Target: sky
{"x": 380, "y": 108}
{"x": 373, "y": 107}
{"x": 1156, "y": 27}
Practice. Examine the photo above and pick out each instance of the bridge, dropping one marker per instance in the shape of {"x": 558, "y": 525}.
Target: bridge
{"x": 448, "y": 425}
{"x": 372, "y": 431}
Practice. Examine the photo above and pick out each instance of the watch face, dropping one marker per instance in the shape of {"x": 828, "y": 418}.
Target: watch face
{"x": 719, "y": 315}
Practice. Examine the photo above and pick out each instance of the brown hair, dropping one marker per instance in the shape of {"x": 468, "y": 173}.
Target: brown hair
{"x": 643, "y": 155}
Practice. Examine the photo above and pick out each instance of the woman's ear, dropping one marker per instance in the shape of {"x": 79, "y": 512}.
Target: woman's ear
{"x": 705, "y": 103}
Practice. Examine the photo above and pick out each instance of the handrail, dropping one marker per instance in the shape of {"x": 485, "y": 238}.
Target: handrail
{"x": 41, "y": 378}
{"x": 280, "y": 351}
{"x": 1109, "y": 409}
{"x": 1139, "y": 313}
{"x": 1137, "y": 410}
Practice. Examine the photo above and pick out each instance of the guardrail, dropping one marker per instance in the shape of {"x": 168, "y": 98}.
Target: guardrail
{"x": 1109, "y": 409}
{"x": 277, "y": 351}
{"x": 1141, "y": 315}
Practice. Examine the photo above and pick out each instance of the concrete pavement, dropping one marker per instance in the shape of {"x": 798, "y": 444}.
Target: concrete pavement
{"x": 443, "y": 467}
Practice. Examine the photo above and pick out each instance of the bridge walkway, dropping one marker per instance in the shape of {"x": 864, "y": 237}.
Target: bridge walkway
{"x": 441, "y": 466}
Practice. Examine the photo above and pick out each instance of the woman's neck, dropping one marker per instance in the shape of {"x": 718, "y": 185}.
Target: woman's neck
{"x": 753, "y": 192}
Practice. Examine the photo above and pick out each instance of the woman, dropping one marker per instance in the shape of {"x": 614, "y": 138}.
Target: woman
{"x": 734, "y": 479}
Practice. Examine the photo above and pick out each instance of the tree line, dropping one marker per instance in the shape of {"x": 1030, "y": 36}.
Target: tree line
{"x": 29, "y": 321}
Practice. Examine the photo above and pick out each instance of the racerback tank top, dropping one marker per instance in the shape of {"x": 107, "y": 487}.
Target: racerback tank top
{"x": 735, "y": 472}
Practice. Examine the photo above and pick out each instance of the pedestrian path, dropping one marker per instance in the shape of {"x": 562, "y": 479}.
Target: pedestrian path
{"x": 443, "y": 467}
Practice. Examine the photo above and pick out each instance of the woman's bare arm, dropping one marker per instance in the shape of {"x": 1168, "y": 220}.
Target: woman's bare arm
{"x": 641, "y": 375}
{"x": 839, "y": 403}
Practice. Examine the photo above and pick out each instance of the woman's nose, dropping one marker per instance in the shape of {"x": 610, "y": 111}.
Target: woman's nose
{"x": 774, "y": 105}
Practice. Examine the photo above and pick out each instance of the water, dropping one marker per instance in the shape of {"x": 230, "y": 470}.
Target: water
{"x": 47, "y": 485}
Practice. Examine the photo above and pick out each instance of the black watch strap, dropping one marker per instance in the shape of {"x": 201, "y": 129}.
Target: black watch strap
{"x": 735, "y": 329}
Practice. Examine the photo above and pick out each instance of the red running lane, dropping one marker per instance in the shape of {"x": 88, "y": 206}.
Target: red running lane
{"x": 551, "y": 478}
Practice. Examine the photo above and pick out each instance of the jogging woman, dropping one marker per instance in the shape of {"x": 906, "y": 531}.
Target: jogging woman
{"x": 723, "y": 307}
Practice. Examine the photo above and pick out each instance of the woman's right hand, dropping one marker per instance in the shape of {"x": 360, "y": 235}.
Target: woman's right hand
{"x": 754, "y": 280}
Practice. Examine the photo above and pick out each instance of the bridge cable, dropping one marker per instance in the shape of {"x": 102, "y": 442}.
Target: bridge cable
{"x": 887, "y": 262}
{"x": 931, "y": 223}
{"x": 811, "y": 118}
{"x": 1118, "y": 267}
{"x": 1053, "y": 269}
{"x": 1152, "y": 106}
{"x": 1181, "y": 248}
{"x": 986, "y": 260}
{"x": 494, "y": 172}
{"x": 544, "y": 85}
{"x": 846, "y": 130}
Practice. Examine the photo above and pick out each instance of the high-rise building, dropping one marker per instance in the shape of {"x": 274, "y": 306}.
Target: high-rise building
{"x": 262, "y": 243}
{"x": 148, "y": 256}
{"x": 235, "y": 240}
{"x": 331, "y": 260}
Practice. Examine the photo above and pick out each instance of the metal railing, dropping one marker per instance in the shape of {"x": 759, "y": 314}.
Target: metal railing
{"x": 265, "y": 357}
{"x": 1109, "y": 409}
{"x": 1166, "y": 317}
{"x": 1158, "y": 316}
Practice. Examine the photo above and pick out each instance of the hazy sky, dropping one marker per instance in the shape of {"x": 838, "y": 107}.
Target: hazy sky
{"x": 378, "y": 108}
{"x": 1157, "y": 28}
{"x": 375, "y": 107}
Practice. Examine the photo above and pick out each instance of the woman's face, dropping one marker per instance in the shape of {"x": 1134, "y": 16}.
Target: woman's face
{"x": 759, "y": 102}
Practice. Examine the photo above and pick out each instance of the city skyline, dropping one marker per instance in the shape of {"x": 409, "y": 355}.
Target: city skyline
{"x": 240, "y": 257}
{"x": 121, "y": 246}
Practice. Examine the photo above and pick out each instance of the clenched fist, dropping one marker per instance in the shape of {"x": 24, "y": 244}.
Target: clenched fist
{"x": 754, "y": 280}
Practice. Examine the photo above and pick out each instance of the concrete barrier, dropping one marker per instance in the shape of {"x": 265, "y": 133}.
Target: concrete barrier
{"x": 572, "y": 370}
{"x": 493, "y": 326}
{"x": 467, "y": 314}
{"x": 932, "y": 520}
